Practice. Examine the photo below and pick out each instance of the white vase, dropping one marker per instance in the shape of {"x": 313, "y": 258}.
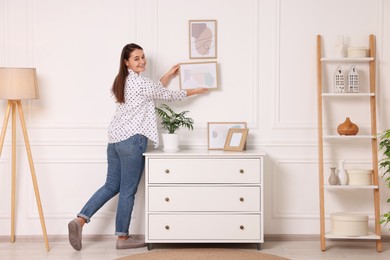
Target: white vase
{"x": 171, "y": 142}
{"x": 340, "y": 50}
{"x": 339, "y": 47}
{"x": 342, "y": 173}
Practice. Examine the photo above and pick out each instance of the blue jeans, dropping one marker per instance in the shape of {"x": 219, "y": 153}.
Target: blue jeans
{"x": 125, "y": 167}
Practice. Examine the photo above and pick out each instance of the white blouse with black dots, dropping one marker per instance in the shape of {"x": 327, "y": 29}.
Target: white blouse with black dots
{"x": 137, "y": 115}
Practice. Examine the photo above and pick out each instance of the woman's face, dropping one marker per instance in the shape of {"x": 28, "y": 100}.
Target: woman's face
{"x": 137, "y": 61}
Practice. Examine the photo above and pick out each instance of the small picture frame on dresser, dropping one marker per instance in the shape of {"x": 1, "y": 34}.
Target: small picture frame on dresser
{"x": 236, "y": 139}
{"x": 217, "y": 133}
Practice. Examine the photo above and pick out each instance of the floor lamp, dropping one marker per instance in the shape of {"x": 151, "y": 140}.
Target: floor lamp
{"x": 17, "y": 84}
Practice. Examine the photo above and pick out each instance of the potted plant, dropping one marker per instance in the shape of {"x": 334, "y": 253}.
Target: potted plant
{"x": 384, "y": 163}
{"x": 171, "y": 122}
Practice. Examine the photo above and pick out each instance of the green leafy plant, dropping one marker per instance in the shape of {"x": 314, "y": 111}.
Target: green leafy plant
{"x": 172, "y": 121}
{"x": 384, "y": 164}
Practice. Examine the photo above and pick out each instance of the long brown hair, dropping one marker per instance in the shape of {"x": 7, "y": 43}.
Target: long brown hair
{"x": 118, "y": 87}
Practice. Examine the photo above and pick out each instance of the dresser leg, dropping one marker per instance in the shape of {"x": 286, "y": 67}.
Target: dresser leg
{"x": 258, "y": 246}
{"x": 150, "y": 246}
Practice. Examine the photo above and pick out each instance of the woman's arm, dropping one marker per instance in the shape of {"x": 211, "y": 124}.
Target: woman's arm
{"x": 195, "y": 91}
{"x": 166, "y": 78}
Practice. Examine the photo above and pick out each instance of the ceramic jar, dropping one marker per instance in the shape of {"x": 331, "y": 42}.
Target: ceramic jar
{"x": 347, "y": 128}
{"x": 342, "y": 173}
{"x": 333, "y": 178}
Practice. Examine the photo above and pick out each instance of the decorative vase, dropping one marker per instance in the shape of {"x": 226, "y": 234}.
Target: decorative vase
{"x": 342, "y": 173}
{"x": 339, "y": 46}
{"x": 333, "y": 178}
{"x": 347, "y": 128}
{"x": 171, "y": 142}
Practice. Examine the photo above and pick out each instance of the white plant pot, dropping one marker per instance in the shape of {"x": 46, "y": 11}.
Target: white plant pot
{"x": 171, "y": 142}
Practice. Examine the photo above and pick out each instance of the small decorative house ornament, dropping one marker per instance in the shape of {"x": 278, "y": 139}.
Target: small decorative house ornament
{"x": 353, "y": 80}
{"x": 339, "y": 80}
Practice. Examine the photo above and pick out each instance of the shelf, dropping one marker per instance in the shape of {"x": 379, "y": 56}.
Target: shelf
{"x": 367, "y": 59}
{"x": 333, "y": 140}
{"x": 348, "y": 94}
{"x": 348, "y": 137}
{"x": 350, "y": 187}
{"x": 370, "y": 236}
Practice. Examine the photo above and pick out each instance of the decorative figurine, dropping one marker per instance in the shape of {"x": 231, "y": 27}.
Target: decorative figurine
{"x": 339, "y": 80}
{"x": 353, "y": 80}
{"x": 339, "y": 46}
{"x": 342, "y": 174}
{"x": 347, "y": 128}
{"x": 333, "y": 178}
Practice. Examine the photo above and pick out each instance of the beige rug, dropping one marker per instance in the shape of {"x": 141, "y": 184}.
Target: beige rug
{"x": 203, "y": 254}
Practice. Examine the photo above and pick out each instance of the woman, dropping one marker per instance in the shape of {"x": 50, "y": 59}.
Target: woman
{"x": 133, "y": 123}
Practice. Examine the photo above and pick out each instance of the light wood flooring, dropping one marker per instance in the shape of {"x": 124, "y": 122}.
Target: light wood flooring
{"x": 104, "y": 249}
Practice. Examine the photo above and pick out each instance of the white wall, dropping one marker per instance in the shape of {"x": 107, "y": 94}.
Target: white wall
{"x": 267, "y": 62}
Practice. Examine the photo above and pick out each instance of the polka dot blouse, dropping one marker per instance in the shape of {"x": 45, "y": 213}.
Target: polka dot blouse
{"x": 137, "y": 115}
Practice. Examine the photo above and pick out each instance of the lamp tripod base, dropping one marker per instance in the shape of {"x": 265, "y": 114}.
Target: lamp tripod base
{"x": 13, "y": 105}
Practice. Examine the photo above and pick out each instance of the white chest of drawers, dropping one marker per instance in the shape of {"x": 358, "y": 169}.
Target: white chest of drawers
{"x": 204, "y": 196}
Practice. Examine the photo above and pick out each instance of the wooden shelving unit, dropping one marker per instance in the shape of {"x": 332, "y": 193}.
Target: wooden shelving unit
{"x": 324, "y": 96}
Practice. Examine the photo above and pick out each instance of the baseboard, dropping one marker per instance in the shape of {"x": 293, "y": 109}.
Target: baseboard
{"x": 55, "y": 238}
{"x": 267, "y": 237}
{"x": 303, "y": 237}
{"x": 291, "y": 237}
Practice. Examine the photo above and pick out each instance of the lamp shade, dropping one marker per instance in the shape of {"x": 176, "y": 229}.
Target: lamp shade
{"x": 18, "y": 83}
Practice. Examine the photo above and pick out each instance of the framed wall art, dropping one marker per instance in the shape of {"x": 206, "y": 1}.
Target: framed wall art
{"x": 198, "y": 75}
{"x": 217, "y": 133}
{"x": 236, "y": 139}
{"x": 203, "y": 39}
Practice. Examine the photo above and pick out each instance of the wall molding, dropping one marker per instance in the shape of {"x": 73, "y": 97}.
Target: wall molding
{"x": 277, "y": 211}
{"x": 6, "y": 181}
{"x": 311, "y": 125}
{"x": 4, "y": 27}
{"x": 32, "y": 212}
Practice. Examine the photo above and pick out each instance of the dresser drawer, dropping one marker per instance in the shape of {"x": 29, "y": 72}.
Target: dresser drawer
{"x": 204, "y": 170}
{"x": 204, "y": 199}
{"x": 204, "y": 227}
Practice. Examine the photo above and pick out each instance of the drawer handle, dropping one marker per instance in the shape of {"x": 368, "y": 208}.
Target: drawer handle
{"x": 167, "y": 199}
{"x": 166, "y": 170}
{"x": 242, "y": 171}
{"x": 242, "y": 199}
{"x": 167, "y": 227}
{"x": 242, "y": 227}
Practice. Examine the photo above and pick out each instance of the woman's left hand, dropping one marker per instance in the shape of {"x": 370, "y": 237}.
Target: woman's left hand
{"x": 174, "y": 70}
{"x": 170, "y": 74}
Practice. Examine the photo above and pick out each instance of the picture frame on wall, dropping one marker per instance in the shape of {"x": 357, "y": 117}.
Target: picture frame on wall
{"x": 203, "y": 39}
{"x": 217, "y": 133}
{"x": 198, "y": 75}
{"x": 236, "y": 139}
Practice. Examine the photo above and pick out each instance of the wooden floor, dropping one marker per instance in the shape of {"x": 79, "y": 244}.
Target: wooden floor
{"x": 99, "y": 249}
